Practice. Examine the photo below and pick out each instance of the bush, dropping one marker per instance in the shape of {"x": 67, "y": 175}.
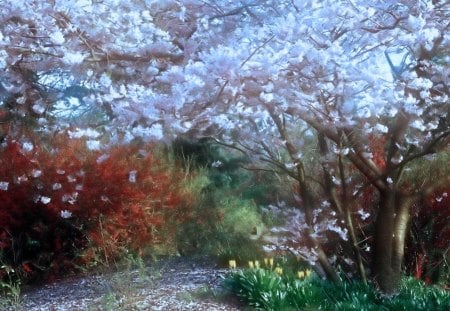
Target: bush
{"x": 428, "y": 251}
{"x": 220, "y": 224}
{"x": 64, "y": 205}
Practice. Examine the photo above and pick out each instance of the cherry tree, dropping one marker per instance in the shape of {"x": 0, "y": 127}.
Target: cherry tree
{"x": 265, "y": 77}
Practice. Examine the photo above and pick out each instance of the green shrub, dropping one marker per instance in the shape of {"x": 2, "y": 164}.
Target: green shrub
{"x": 223, "y": 222}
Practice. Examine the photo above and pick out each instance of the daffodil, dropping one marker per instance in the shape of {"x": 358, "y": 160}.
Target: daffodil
{"x": 308, "y": 272}
{"x": 232, "y": 264}
{"x": 279, "y": 270}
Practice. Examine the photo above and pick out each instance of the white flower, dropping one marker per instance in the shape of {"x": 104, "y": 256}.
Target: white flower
{"x": 65, "y": 214}
{"x": 418, "y": 124}
{"x": 45, "y": 200}
{"x": 56, "y": 186}
{"x": 73, "y": 58}
{"x": 216, "y": 164}
{"x": 21, "y": 100}
{"x": 93, "y": 144}
{"x": 57, "y": 37}
{"x": 39, "y": 109}
{"x": 105, "y": 80}
{"x": 345, "y": 151}
{"x": 27, "y": 146}
{"x": 132, "y": 176}
{"x": 102, "y": 158}
{"x": 71, "y": 199}
{"x": 90, "y": 133}
{"x": 381, "y": 128}
{"x": 363, "y": 215}
{"x": 266, "y": 97}
{"x": 4, "y": 185}
{"x": 367, "y": 155}
{"x": 389, "y": 180}
{"x": 104, "y": 198}
{"x": 21, "y": 179}
{"x": 290, "y": 166}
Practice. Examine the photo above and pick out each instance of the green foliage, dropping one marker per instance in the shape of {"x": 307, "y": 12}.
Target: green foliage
{"x": 225, "y": 216}
{"x": 10, "y": 287}
{"x": 240, "y": 216}
{"x": 261, "y": 289}
{"x": 266, "y": 290}
{"x": 221, "y": 224}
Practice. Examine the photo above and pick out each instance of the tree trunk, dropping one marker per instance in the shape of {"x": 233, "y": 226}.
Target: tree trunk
{"x": 390, "y": 234}
{"x": 384, "y": 231}
{"x": 402, "y": 218}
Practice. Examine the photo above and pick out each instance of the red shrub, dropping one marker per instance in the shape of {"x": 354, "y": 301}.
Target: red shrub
{"x": 429, "y": 243}
{"x": 63, "y": 204}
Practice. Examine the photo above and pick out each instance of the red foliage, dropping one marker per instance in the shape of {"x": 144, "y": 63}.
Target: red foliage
{"x": 377, "y": 146}
{"x": 431, "y": 237}
{"x": 61, "y": 202}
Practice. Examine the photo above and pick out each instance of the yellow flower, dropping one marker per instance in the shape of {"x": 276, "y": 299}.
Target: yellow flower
{"x": 301, "y": 274}
{"x": 257, "y": 265}
{"x": 279, "y": 270}
{"x": 232, "y": 264}
{"x": 266, "y": 261}
{"x": 308, "y": 272}
{"x": 271, "y": 262}
{"x": 251, "y": 265}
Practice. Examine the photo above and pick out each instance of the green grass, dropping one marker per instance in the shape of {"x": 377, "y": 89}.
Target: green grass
{"x": 265, "y": 290}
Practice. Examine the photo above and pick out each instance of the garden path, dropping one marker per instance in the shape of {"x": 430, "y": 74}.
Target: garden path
{"x": 172, "y": 284}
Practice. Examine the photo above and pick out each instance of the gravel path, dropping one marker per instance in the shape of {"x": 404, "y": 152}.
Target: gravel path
{"x": 174, "y": 284}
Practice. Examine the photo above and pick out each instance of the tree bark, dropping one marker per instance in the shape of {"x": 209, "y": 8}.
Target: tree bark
{"x": 384, "y": 275}
{"x": 402, "y": 219}
{"x": 390, "y": 233}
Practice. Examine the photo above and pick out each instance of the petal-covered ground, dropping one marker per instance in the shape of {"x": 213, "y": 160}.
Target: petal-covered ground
{"x": 175, "y": 284}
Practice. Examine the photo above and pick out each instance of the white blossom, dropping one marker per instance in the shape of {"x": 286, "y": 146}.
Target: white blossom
{"x": 65, "y": 214}
{"x": 132, "y": 176}
{"x": 102, "y": 158}
{"x": 4, "y": 185}
{"x": 73, "y": 58}
{"x": 381, "y": 128}
{"x": 57, "y": 37}
{"x": 88, "y": 132}
{"x": 363, "y": 214}
{"x": 216, "y": 164}
{"x": 27, "y": 147}
{"x": 45, "y": 200}
{"x": 21, "y": 179}
{"x": 38, "y": 108}
{"x": 93, "y": 144}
